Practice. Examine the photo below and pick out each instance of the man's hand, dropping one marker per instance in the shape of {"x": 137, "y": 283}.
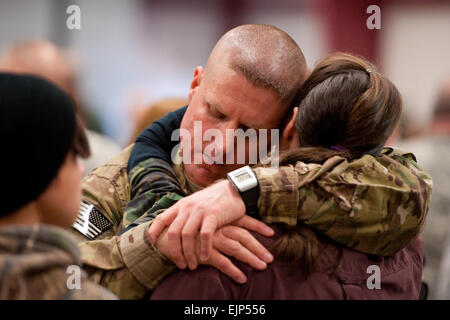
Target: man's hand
{"x": 232, "y": 240}
{"x": 202, "y": 212}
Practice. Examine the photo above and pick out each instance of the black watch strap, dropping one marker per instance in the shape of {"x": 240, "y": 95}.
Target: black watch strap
{"x": 250, "y": 198}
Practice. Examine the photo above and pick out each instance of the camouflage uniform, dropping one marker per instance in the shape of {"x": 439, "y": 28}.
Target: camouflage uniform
{"x": 374, "y": 205}
{"x": 33, "y": 265}
{"x": 125, "y": 262}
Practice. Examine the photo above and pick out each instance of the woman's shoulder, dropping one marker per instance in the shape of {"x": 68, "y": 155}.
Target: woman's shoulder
{"x": 392, "y": 168}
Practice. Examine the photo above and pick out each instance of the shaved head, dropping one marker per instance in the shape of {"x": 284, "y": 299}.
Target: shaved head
{"x": 249, "y": 82}
{"x": 265, "y": 55}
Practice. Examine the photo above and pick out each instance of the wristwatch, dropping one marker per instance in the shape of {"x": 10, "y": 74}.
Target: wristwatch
{"x": 246, "y": 183}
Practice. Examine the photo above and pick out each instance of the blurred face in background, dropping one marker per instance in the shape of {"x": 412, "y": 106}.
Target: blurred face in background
{"x": 222, "y": 99}
{"x": 441, "y": 126}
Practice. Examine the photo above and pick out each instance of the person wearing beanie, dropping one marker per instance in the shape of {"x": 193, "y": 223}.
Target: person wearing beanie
{"x": 42, "y": 138}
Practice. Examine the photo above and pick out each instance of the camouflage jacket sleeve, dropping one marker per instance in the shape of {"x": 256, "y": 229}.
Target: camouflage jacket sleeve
{"x": 120, "y": 258}
{"x": 373, "y": 205}
{"x": 154, "y": 186}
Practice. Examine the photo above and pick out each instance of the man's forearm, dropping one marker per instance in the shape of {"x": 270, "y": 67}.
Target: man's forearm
{"x": 152, "y": 182}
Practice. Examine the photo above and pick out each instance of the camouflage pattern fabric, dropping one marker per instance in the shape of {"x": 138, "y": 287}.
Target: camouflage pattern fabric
{"x": 123, "y": 261}
{"x": 154, "y": 186}
{"x": 33, "y": 265}
{"x": 375, "y": 205}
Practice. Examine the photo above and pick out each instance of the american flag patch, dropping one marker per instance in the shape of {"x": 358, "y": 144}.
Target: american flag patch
{"x": 90, "y": 222}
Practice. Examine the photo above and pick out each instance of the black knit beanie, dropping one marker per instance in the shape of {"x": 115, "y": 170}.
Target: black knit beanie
{"x": 37, "y": 127}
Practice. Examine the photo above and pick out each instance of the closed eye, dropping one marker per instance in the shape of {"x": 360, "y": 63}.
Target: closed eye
{"x": 215, "y": 113}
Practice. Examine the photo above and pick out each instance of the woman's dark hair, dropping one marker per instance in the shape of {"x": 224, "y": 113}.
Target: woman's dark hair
{"x": 347, "y": 109}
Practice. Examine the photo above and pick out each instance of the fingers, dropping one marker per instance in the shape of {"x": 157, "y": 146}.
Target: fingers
{"x": 223, "y": 264}
{"x": 231, "y": 247}
{"x": 253, "y": 224}
{"x": 161, "y": 222}
{"x": 249, "y": 242}
{"x": 188, "y": 236}
{"x": 206, "y": 236}
{"x": 173, "y": 236}
{"x": 183, "y": 227}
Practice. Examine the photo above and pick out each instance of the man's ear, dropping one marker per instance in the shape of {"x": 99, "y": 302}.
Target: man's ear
{"x": 195, "y": 83}
{"x": 289, "y": 129}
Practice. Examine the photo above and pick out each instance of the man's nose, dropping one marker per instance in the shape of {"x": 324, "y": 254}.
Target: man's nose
{"x": 226, "y": 143}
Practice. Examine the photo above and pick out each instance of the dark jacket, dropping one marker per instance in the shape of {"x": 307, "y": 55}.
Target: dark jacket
{"x": 400, "y": 278}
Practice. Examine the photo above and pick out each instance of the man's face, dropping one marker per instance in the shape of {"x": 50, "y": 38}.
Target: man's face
{"x": 224, "y": 99}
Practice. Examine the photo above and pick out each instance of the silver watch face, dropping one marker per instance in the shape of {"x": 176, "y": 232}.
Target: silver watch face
{"x": 244, "y": 178}
{"x": 241, "y": 177}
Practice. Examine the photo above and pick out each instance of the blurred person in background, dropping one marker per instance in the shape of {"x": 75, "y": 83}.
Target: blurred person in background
{"x": 42, "y": 139}
{"x": 407, "y": 128}
{"x": 44, "y": 59}
{"x": 410, "y": 127}
{"x": 433, "y": 153}
{"x": 145, "y": 116}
